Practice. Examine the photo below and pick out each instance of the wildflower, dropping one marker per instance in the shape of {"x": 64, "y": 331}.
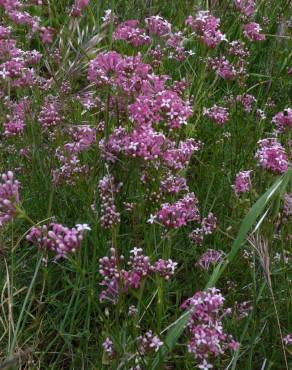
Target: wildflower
{"x": 179, "y": 213}
{"x": 288, "y": 339}
{"x": 208, "y": 226}
{"x": 158, "y": 26}
{"x": 207, "y": 337}
{"x": 238, "y": 49}
{"x": 109, "y": 214}
{"x": 283, "y": 120}
{"x": 222, "y": 67}
{"x": 70, "y": 168}
{"x": 287, "y": 209}
{"x": 243, "y": 309}
{"x": 246, "y": 7}
{"x": 152, "y": 219}
{"x": 149, "y": 342}
{"x": 242, "y": 182}
{"x": 246, "y": 101}
{"x": 211, "y": 256}
{"x": 271, "y": 155}
{"x": 219, "y": 115}
{"x": 117, "y": 280}
{"x": 130, "y": 32}
{"x": 165, "y": 268}
{"x": 84, "y": 137}
{"x": 252, "y": 32}
{"x": 78, "y": 7}
{"x": 173, "y": 184}
{"x": 16, "y": 120}
{"x": 178, "y": 158}
{"x": 108, "y": 16}
{"x": 108, "y": 347}
{"x": 132, "y": 311}
{"x": 50, "y": 115}
{"x": 9, "y": 197}
{"x": 175, "y": 42}
{"x": 206, "y": 27}
{"x": 57, "y": 238}
{"x": 47, "y": 34}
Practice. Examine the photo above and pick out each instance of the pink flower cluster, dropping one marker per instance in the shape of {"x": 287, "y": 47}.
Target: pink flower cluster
{"x": 252, "y": 32}
{"x": 158, "y": 26}
{"x": 108, "y": 347}
{"x": 242, "y": 182}
{"x": 57, "y": 238}
{"x": 70, "y": 168}
{"x": 179, "y": 213}
{"x": 148, "y": 343}
{"x": 206, "y": 26}
{"x": 178, "y": 158}
{"x": 271, "y": 155}
{"x": 117, "y": 280}
{"x": 246, "y": 101}
{"x": 219, "y": 115}
{"x": 283, "y": 120}
{"x": 165, "y": 105}
{"x": 246, "y": 7}
{"x": 107, "y": 189}
{"x": 78, "y": 7}
{"x": 128, "y": 74}
{"x": 16, "y": 120}
{"x": 208, "y": 340}
{"x": 211, "y": 256}
{"x": 222, "y": 67}
{"x": 9, "y": 197}
{"x": 84, "y": 137}
{"x": 130, "y": 32}
{"x": 207, "y": 227}
{"x": 288, "y": 339}
{"x": 173, "y": 184}
{"x": 50, "y": 114}
{"x": 287, "y": 209}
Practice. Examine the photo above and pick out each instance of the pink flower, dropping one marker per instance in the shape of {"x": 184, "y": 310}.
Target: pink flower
{"x": 130, "y": 32}
{"x": 47, "y": 34}
{"x": 78, "y": 7}
{"x": 57, "y": 238}
{"x": 211, "y": 256}
{"x": 117, "y": 280}
{"x": 246, "y": 7}
{"x": 206, "y": 27}
{"x": 9, "y": 197}
{"x": 179, "y": 213}
{"x": 222, "y": 67}
{"x": 156, "y": 25}
{"x": 242, "y": 182}
{"x": 165, "y": 268}
{"x": 208, "y": 339}
{"x": 271, "y": 155}
{"x": 50, "y": 115}
{"x": 109, "y": 214}
{"x": 247, "y": 101}
{"x": 252, "y": 32}
{"x": 149, "y": 342}
{"x": 283, "y": 120}
{"x": 219, "y": 115}
{"x": 288, "y": 339}
{"x": 287, "y": 209}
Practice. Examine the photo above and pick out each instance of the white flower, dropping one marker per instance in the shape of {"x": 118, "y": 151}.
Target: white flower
{"x": 151, "y": 219}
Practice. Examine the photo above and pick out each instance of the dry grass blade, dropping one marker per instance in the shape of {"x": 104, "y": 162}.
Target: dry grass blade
{"x": 261, "y": 246}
